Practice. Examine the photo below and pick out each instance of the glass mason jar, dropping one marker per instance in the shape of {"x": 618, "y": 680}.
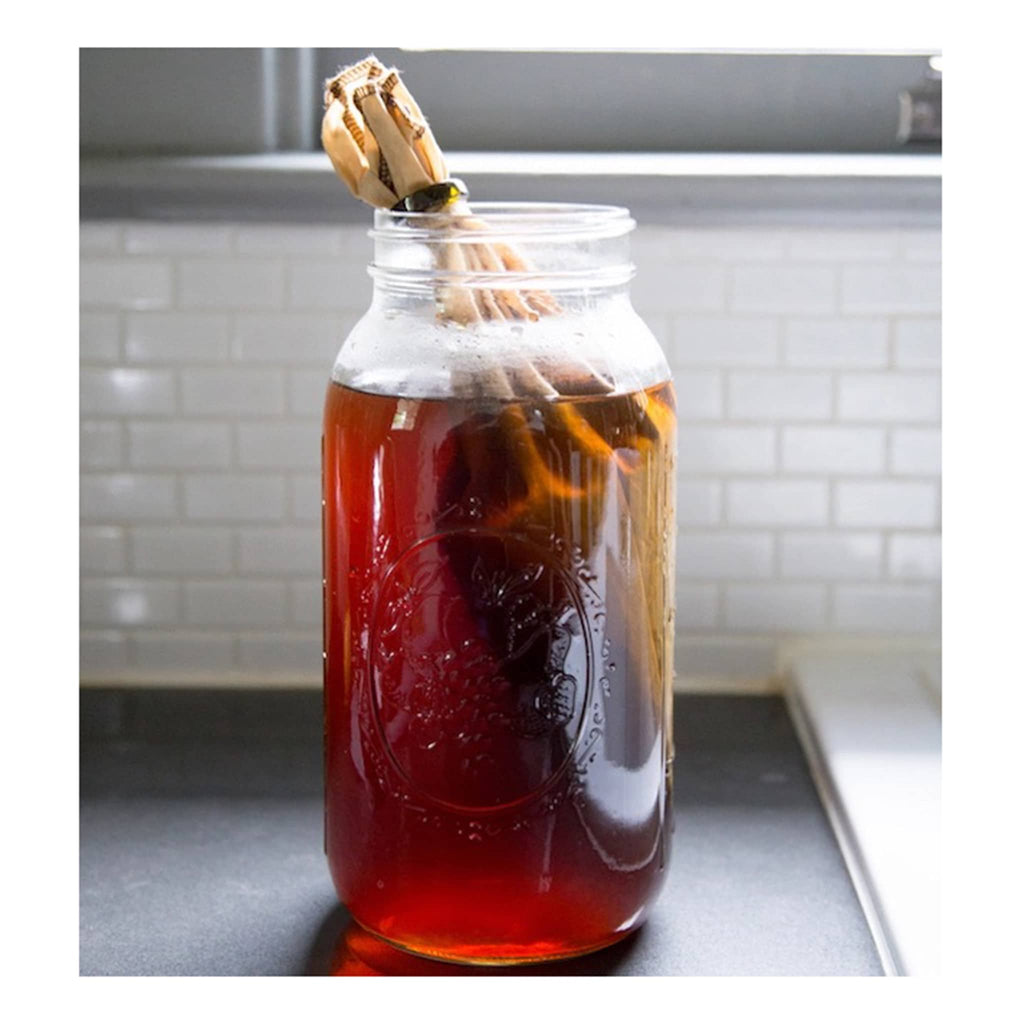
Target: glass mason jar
{"x": 498, "y": 538}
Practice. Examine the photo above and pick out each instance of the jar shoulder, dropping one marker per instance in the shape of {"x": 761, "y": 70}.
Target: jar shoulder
{"x": 416, "y": 355}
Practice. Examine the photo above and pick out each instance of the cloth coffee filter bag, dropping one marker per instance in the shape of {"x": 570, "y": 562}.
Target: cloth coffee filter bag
{"x": 382, "y": 147}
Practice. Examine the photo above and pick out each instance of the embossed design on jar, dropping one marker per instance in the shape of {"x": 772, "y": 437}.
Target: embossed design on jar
{"x": 481, "y": 668}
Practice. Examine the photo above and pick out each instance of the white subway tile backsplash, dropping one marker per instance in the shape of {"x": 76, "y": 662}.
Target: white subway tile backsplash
{"x": 890, "y": 397}
{"x": 775, "y": 607}
{"x": 698, "y": 394}
{"x": 176, "y": 445}
{"x": 99, "y": 237}
{"x": 725, "y": 449}
{"x": 881, "y": 608}
{"x": 833, "y": 450}
{"x": 887, "y": 503}
{"x": 783, "y": 289}
{"x": 164, "y": 237}
{"x": 128, "y": 602}
{"x": 176, "y": 338}
{"x": 206, "y": 350}
{"x": 844, "y": 246}
{"x": 125, "y": 283}
{"x": 288, "y": 240}
{"x": 922, "y": 246}
{"x": 725, "y": 657}
{"x": 101, "y": 550}
{"x": 837, "y": 343}
{"x": 915, "y": 556}
{"x": 237, "y": 497}
{"x": 102, "y": 654}
{"x": 100, "y": 444}
{"x": 119, "y": 391}
{"x": 231, "y": 283}
{"x": 779, "y": 396}
{"x": 237, "y": 602}
{"x": 724, "y": 555}
{"x": 186, "y": 652}
{"x": 307, "y": 601}
{"x": 307, "y": 390}
{"x": 291, "y": 339}
{"x": 124, "y": 497}
{"x": 724, "y": 341}
{"x": 916, "y": 452}
{"x": 182, "y": 550}
{"x": 697, "y": 606}
{"x": 294, "y": 654}
{"x": 831, "y": 556}
{"x": 305, "y": 499}
{"x": 279, "y": 445}
{"x": 99, "y": 337}
{"x": 356, "y": 245}
{"x": 698, "y": 502}
{"x": 919, "y": 343}
{"x": 777, "y": 502}
{"x": 327, "y": 285}
{"x": 891, "y": 289}
{"x": 280, "y": 551}
{"x": 666, "y": 288}
{"x": 235, "y": 391}
{"x": 734, "y": 245}
{"x": 653, "y": 246}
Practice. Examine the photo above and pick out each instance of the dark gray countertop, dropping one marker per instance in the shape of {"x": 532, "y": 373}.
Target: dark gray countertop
{"x": 201, "y": 849}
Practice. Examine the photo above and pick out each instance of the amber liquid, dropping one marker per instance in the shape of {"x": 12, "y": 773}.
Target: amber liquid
{"x": 497, "y": 623}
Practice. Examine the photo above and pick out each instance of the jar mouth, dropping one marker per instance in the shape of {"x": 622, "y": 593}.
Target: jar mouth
{"x": 571, "y": 222}
{"x": 549, "y": 246}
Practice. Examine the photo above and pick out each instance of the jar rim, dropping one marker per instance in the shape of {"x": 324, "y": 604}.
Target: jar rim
{"x": 508, "y": 220}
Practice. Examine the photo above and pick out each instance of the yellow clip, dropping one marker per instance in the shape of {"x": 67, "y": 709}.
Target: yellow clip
{"x": 434, "y": 197}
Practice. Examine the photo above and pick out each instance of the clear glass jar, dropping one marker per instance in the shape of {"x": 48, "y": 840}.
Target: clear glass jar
{"x": 498, "y": 527}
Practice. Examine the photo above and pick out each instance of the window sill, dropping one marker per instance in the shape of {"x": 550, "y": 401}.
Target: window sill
{"x": 673, "y": 188}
